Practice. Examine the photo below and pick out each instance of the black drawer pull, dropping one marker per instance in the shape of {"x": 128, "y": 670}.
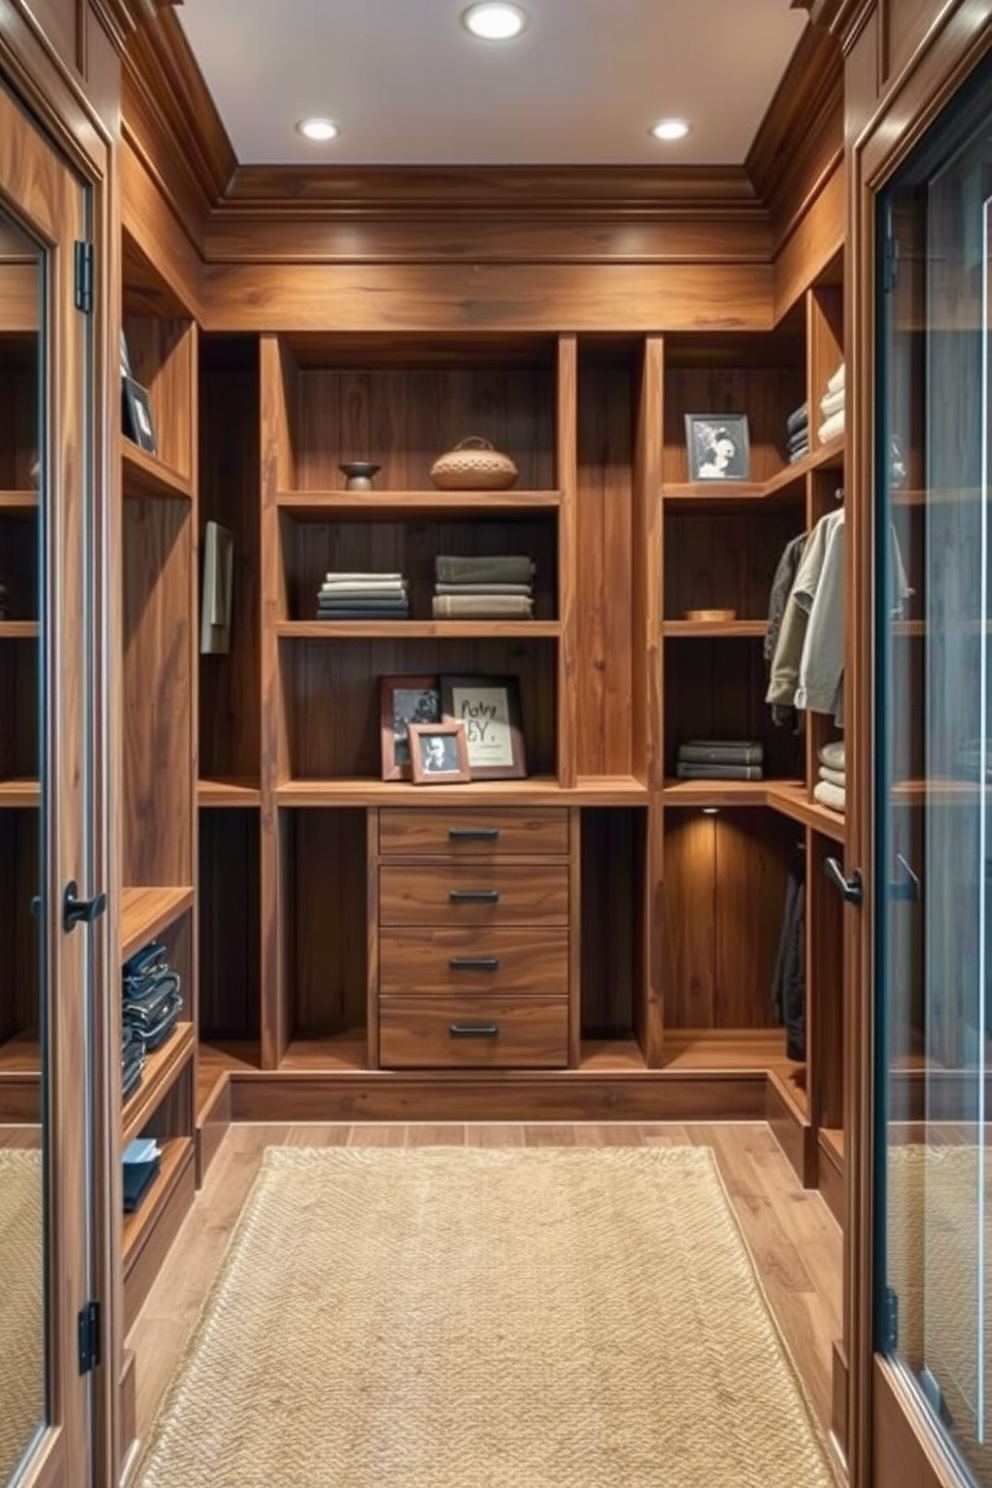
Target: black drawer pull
{"x": 474, "y": 896}
{"x": 474, "y": 963}
{"x": 474, "y": 834}
{"x": 474, "y": 1030}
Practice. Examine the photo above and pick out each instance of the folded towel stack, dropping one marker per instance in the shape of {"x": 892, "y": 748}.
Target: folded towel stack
{"x": 720, "y": 759}
{"x": 153, "y": 1005}
{"x": 363, "y": 596}
{"x": 797, "y": 433}
{"x": 830, "y": 788}
{"x": 832, "y": 407}
{"x": 499, "y": 588}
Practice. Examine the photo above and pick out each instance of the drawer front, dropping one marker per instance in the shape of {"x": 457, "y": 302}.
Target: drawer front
{"x": 450, "y": 895}
{"x": 473, "y": 833}
{"x": 473, "y": 963}
{"x": 473, "y": 1033}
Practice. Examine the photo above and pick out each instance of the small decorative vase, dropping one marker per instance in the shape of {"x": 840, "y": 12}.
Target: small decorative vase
{"x": 358, "y": 474}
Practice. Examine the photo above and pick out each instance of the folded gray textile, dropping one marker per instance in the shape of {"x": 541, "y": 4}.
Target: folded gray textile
{"x": 504, "y": 568}
{"x": 719, "y": 772}
{"x": 491, "y": 588}
{"x": 721, "y": 752}
{"x": 833, "y": 777}
{"x": 833, "y": 754}
{"x": 798, "y": 419}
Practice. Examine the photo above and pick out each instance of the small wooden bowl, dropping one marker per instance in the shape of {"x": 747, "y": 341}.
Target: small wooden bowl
{"x": 711, "y": 614}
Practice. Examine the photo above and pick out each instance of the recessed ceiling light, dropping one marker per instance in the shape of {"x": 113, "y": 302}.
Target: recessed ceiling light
{"x": 318, "y": 129}
{"x": 494, "y": 22}
{"x": 669, "y": 129}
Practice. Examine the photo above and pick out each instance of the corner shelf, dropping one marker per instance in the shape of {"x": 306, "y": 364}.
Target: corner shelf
{"x": 409, "y": 506}
{"x": 793, "y": 802}
{"x": 697, "y": 629}
{"x": 229, "y": 792}
{"x": 15, "y": 794}
{"x": 720, "y": 792}
{"x": 162, "y": 1069}
{"x": 786, "y": 482}
{"x": 145, "y": 475}
{"x": 145, "y": 913}
{"x": 19, "y": 630}
{"x": 401, "y": 630}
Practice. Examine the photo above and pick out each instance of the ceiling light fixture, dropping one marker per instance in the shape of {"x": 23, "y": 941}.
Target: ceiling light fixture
{"x": 495, "y": 22}
{"x": 318, "y": 129}
{"x": 670, "y": 129}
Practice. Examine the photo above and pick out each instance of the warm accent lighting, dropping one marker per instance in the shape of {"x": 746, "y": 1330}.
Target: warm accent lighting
{"x": 711, "y": 811}
{"x": 669, "y": 129}
{"x": 494, "y": 22}
{"x": 318, "y": 129}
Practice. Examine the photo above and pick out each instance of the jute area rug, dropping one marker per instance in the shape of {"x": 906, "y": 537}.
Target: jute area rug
{"x": 457, "y": 1318}
{"x": 22, "y": 1322}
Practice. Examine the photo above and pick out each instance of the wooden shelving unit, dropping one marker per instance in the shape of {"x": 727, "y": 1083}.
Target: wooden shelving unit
{"x": 146, "y": 913}
{"x": 705, "y": 793}
{"x": 162, "y": 1069}
{"x": 536, "y": 791}
{"x": 415, "y": 506}
{"x": 408, "y": 630}
{"x": 145, "y": 475}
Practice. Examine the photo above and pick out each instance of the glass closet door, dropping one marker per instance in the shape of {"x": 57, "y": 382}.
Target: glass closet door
{"x": 933, "y": 867}
{"x": 45, "y": 727}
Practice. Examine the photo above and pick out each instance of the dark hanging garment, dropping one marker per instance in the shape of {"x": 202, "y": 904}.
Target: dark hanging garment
{"x": 789, "y": 980}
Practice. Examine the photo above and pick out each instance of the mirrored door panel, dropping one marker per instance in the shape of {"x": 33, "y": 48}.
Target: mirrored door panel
{"x": 45, "y": 659}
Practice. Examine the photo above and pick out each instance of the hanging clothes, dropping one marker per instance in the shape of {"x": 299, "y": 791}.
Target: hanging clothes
{"x": 789, "y": 978}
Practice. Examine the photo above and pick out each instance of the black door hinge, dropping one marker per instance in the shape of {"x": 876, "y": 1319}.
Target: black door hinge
{"x": 891, "y": 265}
{"x": 890, "y": 1321}
{"x": 84, "y": 277}
{"x": 88, "y": 1323}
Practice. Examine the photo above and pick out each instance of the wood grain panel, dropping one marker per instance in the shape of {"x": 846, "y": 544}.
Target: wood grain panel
{"x": 726, "y": 561}
{"x": 688, "y": 915}
{"x": 19, "y": 298}
{"x": 473, "y": 963}
{"x": 159, "y": 750}
{"x": 326, "y": 912}
{"x": 612, "y": 905}
{"x": 825, "y": 987}
{"x": 903, "y": 26}
{"x": 531, "y": 1032}
{"x": 228, "y": 889}
{"x": 767, "y": 395}
{"x": 450, "y": 297}
{"x": 162, "y": 352}
{"x": 753, "y": 850}
{"x": 230, "y": 471}
{"x": 904, "y": 1446}
{"x": 526, "y": 894}
{"x": 60, "y": 20}
{"x": 816, "y": 241}
{"x": 333, "y": 694}
{"x": 566, "y": 434}
{"x": 159, "y": 237}
{"x": 462, "y": 832}
{"x": 647, "y": 533}
{"x": 605, "y": 564}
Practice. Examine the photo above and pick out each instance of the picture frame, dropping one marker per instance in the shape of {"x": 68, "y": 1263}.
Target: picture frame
{"x": 404, "y": 700}
{"x": 139, "y": 424}
{"x": 488, "y": 707}
{"x": 439, "y": 754}
{"x": 718, "y": 446}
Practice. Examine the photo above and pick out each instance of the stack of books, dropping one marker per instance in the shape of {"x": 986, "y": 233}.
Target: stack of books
{"x": 721, "y": 759}
{"x": 142, "y": 1161}
{"x": 153, "y": 1005}
{"x": 363, "y": 596}
{"x": 500, "y": 588}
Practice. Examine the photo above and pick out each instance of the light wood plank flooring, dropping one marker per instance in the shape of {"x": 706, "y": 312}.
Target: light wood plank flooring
{"x": 792, "y": 1235}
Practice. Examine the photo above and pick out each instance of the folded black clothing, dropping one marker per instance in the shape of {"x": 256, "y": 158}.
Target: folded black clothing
{"x": 719, "y": 772}
{"x": 149, "y": 1023}
{"x": 148, "y": 1004}
{"x": 138, "y": 1178}
{"x": 151, "y": 954}
{"x": 137, "y": 988}
{"x": 798, "y": 419}
{"x": 163, "y": 1031}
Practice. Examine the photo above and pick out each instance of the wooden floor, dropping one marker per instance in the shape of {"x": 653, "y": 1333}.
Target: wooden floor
{"x": 793, "y": 1238}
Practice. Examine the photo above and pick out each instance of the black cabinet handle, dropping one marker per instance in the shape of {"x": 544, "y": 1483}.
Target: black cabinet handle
{"x": 76, "y": 911}
{"x": 474, "y": 1030}
{"x": 473, "y": 834}
{"x": 474, "y": 896}
{"x": 850, "y": 889}
{"x": 474, "y": 963}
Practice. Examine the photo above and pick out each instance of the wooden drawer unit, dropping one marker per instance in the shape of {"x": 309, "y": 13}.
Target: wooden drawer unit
{"x": 473, "y": 963}
{"x": 474, "y": 834}
{"x": 488, "y": 893}
{"x": 473, "y": 1032}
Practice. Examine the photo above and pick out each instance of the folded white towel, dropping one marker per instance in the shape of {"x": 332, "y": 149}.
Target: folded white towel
{"x": 832, "y": 754}
{"x": 832, "y": 428}
{"x": 829, "y": 795}
{"x": 833, "y": 777}
{"x": 832, "y": 403}
{"x": 835, "y": 383}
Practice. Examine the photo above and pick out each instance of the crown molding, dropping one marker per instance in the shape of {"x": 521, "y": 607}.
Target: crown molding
{"x": 121, "y": 18}
{"x": 842, "y": 19}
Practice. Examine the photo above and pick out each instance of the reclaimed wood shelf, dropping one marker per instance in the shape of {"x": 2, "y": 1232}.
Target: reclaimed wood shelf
{"x": 401, "y": 630}
{"x": 145, "y": 475}
{"x": 229, "y": 792}
{"x": 411, "y": 506}
{"x": 19, "y": 793}
{"x": 145, "y": 913}
{"x": 699, "y": 629}
{"x": 18, "y": 501}
{"x": 19, "y": 630}
{"x": 538, "y": 790}
{"x": 162, "y": 1069}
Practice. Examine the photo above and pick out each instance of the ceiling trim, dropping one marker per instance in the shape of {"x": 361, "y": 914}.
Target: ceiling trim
{"x": 121, "y": 18}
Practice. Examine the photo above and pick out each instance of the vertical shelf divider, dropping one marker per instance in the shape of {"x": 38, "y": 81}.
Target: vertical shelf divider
{"x": 567, "y": 473}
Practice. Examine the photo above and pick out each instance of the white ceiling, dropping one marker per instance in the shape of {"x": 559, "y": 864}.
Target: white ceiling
{"x": 409, "y": 86}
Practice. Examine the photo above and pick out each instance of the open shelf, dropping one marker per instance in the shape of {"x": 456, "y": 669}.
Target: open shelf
{"x": 217, "y": 1061}
{"x": 786, "y": 482}
{"x": 412, "y": 506}
{"x": 145, "y": 913}
{"x": 19, "y": 630}
{"x": 18, "y": 501}
{"x": 721, "y": 792}
{"x": 145, "y": 475}
{"x": 329, "y": 1053}
{"x": 538, "y": 790}
{"x": 610, "y": 1056}
{"x": 702, "y": 629}
{"x": 162, "y": 1069}
{"x": 18, "y": 793}
{"x": 373, "y": 630}
{"x": 232, "y": 794}
{"x": 177, "y": 1154}
{"x": 725, "y": 1050}
{"x": 792, "y": 801}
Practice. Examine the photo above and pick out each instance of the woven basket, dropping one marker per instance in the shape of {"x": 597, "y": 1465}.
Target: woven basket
{"x": 473, "y": 465}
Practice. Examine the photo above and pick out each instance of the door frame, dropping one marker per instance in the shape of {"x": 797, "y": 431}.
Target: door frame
{"x": 889, "y": 1439}
{"x": 51, "y": 94}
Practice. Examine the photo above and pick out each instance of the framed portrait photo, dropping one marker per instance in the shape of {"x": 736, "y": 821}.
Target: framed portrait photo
{"x": 438, "y": 754}
{"x": 402, "y": 701}
{"x": 488, "y": 708}
{"x": 138, "y": 423}
{"x": 718, "y": 446}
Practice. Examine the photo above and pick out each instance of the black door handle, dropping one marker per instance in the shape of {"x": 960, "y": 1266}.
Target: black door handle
{"x": 474, "y": 896}
{"x": 850, "y": 889}
{"x": 77, "y": 911}
{"x": 474, "y": 1030}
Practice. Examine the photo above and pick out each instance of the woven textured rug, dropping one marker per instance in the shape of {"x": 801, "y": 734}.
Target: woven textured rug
{"x": 456, "y": 1318}
{"x": 22, "y": 1323}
